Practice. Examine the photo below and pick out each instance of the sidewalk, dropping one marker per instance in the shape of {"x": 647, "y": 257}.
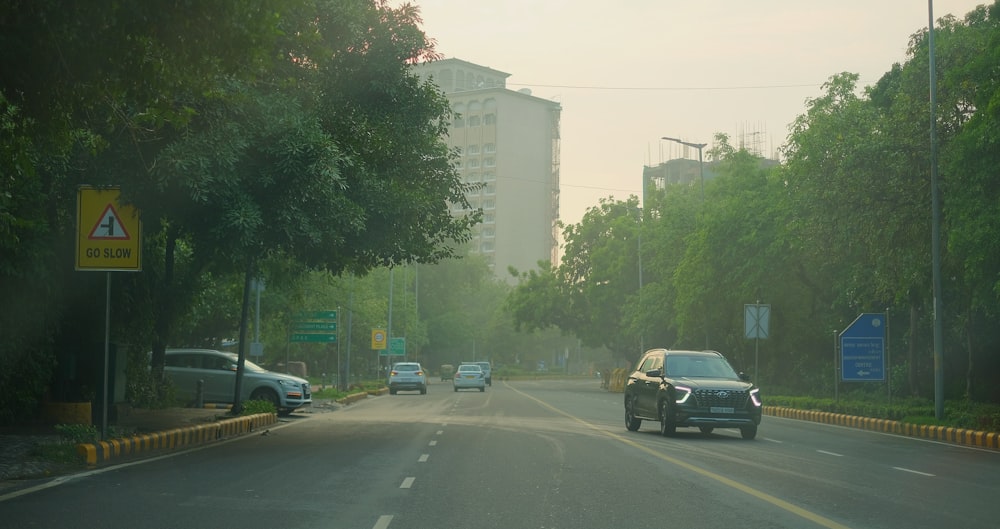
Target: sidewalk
{"x": 150, "y": 430}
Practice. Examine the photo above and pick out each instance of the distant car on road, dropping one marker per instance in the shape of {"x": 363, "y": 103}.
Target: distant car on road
{"x": 447, "y": 370}
{"x": 691, "y": 389}
{"x": 487, "y": 371}
{"x": 469, "y": 376}
{"x": 407, "y": 376}
{"x": 216, "y": 370}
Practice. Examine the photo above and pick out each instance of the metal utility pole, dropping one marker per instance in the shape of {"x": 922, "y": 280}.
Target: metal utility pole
{"x": 935, "y": 228}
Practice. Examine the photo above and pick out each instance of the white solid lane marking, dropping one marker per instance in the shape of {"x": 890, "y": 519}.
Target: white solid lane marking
{"x": 424, "y": 457}
{"x": 830, "y": 453}
{"x": 383, "y": 522}
{"x": 915, "y": 472}
{"x": 407, "y": 483}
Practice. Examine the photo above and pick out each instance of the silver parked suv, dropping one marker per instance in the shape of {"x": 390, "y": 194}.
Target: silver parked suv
{"x": 217, "y": 372}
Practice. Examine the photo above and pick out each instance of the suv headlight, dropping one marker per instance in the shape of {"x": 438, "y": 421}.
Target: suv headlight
{"x": 755, "y": 397}
{"x": 681, "y": 394}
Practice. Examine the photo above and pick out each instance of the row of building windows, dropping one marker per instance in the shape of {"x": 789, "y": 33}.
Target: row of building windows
{"x": 474, "y": 120}
{"x": 473, "y": 178}
{"x": 486, "y": 204}
{"x": 488, "y": 189}
{"x": 474, "y": 163}
{"x": 473, "y": 150}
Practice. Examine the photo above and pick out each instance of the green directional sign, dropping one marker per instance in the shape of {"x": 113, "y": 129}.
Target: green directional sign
{"x": 397, "y": 347}
{"x": 324, "y": 338}
{"x": 317, "y": 315}
{"x": 315, "y": 326}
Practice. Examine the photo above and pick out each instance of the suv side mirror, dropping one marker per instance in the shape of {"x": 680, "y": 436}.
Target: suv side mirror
{"x": 744, "y": 377}
{"x": 654, "y": 373}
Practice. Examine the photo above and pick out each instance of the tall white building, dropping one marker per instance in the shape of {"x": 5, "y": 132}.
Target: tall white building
{"x": 509, "y": 142}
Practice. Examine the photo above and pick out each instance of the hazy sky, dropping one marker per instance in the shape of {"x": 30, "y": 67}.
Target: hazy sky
{"x": 627, "y": 73}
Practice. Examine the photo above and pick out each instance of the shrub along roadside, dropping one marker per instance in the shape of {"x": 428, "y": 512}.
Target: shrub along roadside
{"x": 332, "y": 393}
{"x": 958, "y": 414}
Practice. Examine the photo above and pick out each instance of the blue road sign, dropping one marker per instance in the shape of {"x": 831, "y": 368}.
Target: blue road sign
{"x": 862, "y": 349}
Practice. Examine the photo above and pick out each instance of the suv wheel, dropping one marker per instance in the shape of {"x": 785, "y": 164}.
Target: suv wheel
{"x": 749, "y": 432}
{"x": 667, "y": 425}
{"x": 631, "y": 423}
{"x": 266, "y": 394}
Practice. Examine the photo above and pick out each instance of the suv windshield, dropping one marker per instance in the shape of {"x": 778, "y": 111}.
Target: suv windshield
{"x": 698, "y": 366}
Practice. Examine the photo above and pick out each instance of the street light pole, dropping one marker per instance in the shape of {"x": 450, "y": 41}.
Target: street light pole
{"x": 701, "y": 163}
{"x": 642, "y": 342}
{"x": 701, "y": 170}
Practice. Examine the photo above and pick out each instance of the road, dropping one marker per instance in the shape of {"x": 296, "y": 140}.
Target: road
{"x": 531, "y": 455}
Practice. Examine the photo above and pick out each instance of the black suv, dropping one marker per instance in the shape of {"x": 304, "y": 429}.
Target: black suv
{"x": 691, "y": 388}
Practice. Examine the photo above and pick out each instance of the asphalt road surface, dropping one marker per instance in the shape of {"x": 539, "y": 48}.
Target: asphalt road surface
{"x": 531, "y": 455}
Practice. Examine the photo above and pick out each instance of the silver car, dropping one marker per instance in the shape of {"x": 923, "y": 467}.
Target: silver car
{"x": 469, "y": 376}
{"x": 407, "y": 376}
{"x": 215, "y": 372}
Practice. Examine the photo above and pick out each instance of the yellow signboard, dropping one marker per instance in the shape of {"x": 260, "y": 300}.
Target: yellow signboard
{"x": 109, "y": 235}
{"x": 378, "y": 339}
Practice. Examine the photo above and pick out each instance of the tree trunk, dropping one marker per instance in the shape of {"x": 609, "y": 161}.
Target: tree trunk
{"x": 242, "y": 348}
{"x": 164, "y": 310}
{"x": 968, "y": 347}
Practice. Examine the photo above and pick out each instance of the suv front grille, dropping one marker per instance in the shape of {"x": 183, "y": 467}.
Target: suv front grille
{"x": 721, "y": 398}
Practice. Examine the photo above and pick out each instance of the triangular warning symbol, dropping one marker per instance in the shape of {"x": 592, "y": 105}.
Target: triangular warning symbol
{"x": 109, "y": 226}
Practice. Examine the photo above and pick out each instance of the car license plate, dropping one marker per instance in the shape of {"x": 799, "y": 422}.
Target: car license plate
{"x": 470, "y": 376}
{"x": 720, "y": 409}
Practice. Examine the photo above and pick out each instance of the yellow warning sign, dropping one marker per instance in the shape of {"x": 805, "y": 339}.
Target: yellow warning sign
{"x": 108, "y": 234}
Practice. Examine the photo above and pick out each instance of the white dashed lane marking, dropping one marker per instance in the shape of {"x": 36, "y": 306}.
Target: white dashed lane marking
{"x": 915, "y": 472}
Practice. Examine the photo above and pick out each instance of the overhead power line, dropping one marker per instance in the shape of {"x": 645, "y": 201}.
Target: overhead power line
{"x": 668, "y": 88}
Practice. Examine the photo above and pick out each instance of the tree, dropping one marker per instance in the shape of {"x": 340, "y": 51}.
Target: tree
{"x": 284, "y": 129}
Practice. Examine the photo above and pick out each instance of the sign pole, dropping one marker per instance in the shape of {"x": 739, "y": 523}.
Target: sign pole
{"x": 108, "y": 239}
{"x": 836, "y": 366}
{"x": 888, "y": 357}
{"x": 107, "y": 354}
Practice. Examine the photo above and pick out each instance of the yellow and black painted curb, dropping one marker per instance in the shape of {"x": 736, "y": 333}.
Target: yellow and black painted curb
{"x": 176, "y": 438}
{"x": 960, "y": 436}
{"x": 352, "y": 398}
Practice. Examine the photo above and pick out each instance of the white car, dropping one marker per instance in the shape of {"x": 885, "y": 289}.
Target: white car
{"x": 215, "y": 372}
{"x": 469, "y": 376}
{"x": 407, "y": 376}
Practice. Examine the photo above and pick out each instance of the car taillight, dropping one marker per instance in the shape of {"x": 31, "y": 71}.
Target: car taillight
{"x": 419, "y": 373}
{"x": 393, "y": 373}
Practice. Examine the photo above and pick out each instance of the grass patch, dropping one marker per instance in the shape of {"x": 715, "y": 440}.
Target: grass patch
{"x": 957, "y": 413}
